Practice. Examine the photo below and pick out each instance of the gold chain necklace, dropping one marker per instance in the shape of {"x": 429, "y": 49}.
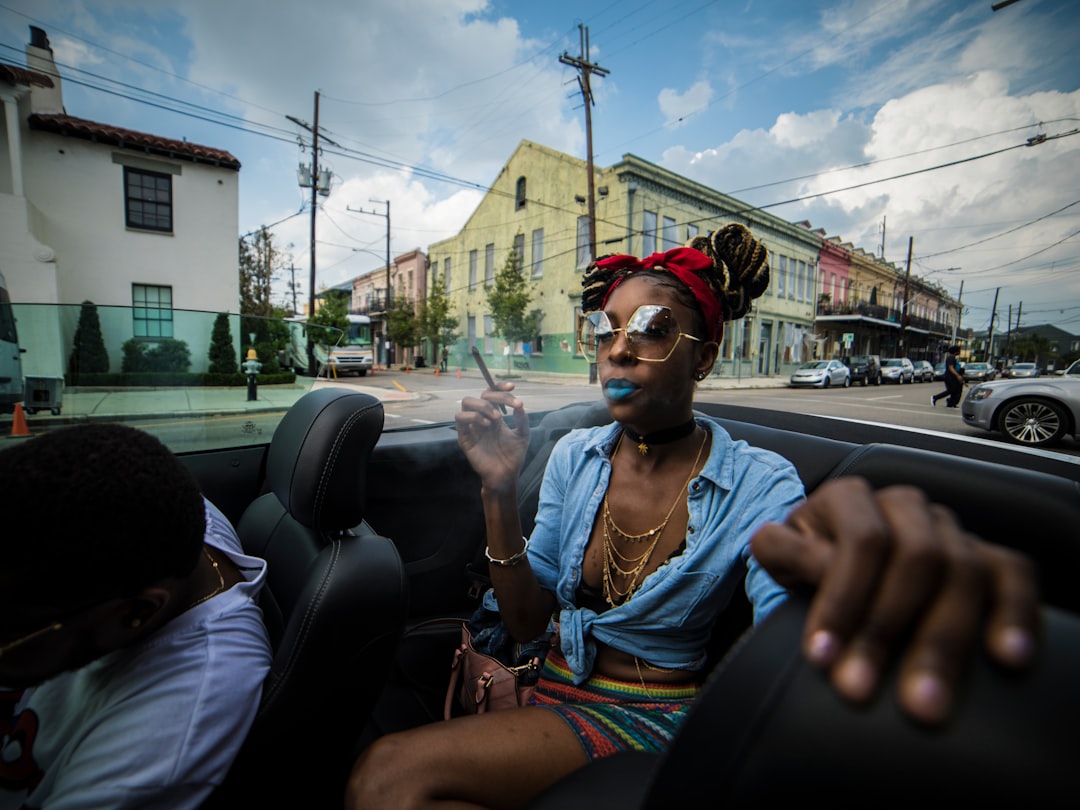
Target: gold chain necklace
{"x": 614, "y": 595}
{"x": 221, "y": 581}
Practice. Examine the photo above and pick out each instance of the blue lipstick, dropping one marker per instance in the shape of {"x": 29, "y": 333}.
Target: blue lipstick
{"x": 618, "y": 389}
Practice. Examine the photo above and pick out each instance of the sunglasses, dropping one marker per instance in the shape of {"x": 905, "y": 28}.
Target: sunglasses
{"x": 652, "y": 333}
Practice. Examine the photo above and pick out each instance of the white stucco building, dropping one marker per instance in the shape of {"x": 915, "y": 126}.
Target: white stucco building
{"x": 125, "y": 219}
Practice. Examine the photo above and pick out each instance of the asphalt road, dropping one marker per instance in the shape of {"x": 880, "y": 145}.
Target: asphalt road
{"x": 428, "y": 399}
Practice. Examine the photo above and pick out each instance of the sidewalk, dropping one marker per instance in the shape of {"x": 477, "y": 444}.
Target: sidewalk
{"x": 80, "y": 404}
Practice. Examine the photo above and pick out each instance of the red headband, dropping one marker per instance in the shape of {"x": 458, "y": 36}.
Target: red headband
{"x": 684, "y": 263}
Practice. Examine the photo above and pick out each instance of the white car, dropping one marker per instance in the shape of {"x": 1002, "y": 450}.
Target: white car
{"x": 899, "y": 370}
{"x": 821, "y": 374}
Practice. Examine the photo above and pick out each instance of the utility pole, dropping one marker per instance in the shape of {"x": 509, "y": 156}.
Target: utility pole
{"x": 990, "y": 333}
{"x": 319, "y": 182}
{"x": 585, "y": 70}
{"x": 903, "y": 310}
{"x": 1019, "y": 309}
{"x": 959, "y": 312}
{"x": 292, "y": 285}
{"x": 389, "y": 292}
{"x": 1008, "y": 333}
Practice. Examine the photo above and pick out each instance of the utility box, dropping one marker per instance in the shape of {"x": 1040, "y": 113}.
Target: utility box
{"x": 43, "y": 393}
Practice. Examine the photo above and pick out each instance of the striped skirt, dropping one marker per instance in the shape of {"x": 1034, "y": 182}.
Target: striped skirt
{"x": 610, "y": 715}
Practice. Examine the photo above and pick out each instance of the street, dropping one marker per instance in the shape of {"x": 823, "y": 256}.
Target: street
{"x": 428, "y": 399}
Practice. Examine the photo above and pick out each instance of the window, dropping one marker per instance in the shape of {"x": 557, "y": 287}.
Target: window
{"x": 583, "y": 252}
{"x": 669, "y": 237}
{"x": 781, "y": 277}
{"x": 538, "y": 253}
{"x": 151, "y": 311}
{"x": 648, "y": 233}
{"x": 519, "y": 194}
{"x": 446, "y": 273}
{"x": 803, "y": 282}
{"x": 519, "y": 250}
{"x": 147, "y": 200}
{"x": 472, "y": 269}
{"x": 489, "y": 264}
{"x": 489, "y": 341}
{"x": 691, "y": 231}
{"x": 470, "y": 322}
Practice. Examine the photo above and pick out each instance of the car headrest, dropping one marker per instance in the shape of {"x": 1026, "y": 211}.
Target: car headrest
{"x": 317, "y": 461}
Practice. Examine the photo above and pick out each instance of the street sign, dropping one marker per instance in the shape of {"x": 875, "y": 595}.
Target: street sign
{"x": 849, "y": 338}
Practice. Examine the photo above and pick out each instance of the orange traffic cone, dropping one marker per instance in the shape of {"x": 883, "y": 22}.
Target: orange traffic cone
{"x": 436, "y": 372}
{"x": 459, "y": 373}
{"x": 18, "y": 422}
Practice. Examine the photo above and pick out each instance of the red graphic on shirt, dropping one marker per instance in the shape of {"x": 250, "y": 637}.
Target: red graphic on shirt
{"x": 18, "y": 732}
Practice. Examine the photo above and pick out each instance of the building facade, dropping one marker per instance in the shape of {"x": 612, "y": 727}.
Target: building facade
{"x": 536, "y": 207}
{"x": 144, "y": 227}
{"x": 866, "y": 305}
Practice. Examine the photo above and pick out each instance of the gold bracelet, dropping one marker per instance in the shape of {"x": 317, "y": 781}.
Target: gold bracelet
{"x": 513, "y": 559}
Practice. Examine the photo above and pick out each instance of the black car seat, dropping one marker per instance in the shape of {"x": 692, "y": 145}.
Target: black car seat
{"x": 334, "y": 604}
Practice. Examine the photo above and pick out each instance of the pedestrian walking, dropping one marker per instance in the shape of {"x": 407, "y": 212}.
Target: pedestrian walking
{"x": 954, "y": 380}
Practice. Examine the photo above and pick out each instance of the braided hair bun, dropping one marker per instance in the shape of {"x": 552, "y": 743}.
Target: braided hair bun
{"x": 740, "y": 270}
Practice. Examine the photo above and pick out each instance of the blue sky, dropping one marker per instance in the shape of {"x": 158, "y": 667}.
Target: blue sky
{"x": 769, "y": 100}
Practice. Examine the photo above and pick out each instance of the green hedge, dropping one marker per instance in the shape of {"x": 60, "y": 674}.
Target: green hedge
{"x": 172, "y": 379}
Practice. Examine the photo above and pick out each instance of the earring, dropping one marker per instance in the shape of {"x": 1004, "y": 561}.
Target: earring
{"x": 700, "y": 376}
{"x": 135, "y": 623}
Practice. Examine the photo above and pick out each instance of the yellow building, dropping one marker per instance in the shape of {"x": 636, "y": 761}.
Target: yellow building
{"x": 537, "y": 206}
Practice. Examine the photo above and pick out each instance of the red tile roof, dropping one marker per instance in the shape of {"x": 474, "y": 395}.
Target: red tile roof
{"x": 130, "y": 139}
{"x": 17, "y": 75}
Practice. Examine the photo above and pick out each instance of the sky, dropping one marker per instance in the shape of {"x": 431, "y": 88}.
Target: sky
{"x": 887, "y": 123}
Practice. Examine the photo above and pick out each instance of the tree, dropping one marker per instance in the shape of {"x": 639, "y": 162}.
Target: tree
{"x": 402, "y": 326}
{"x": 437, "y": 323}
{"x": 509, "y": 299}
{"x": 329, "y": 323}
{"x": 88, "y": 354}
{"x": 260, "y": 263}
{"x": 222, "y": 349}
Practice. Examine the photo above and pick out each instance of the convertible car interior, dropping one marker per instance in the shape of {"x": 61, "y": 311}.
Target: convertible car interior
{"x": 375, "y": 544}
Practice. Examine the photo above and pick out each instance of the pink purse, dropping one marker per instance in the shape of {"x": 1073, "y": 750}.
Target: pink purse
{"x": 484, "y": 684}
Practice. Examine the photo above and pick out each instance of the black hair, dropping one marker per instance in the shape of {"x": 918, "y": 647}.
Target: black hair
{"x": 94, "y": 512}
{"x": 739, "y": 273}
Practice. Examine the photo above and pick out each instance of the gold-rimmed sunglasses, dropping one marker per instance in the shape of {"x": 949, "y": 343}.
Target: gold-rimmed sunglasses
{"x": 652, "y": 333}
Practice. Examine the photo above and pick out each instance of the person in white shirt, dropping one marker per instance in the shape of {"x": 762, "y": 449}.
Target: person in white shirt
{"x": 132, "y": 652}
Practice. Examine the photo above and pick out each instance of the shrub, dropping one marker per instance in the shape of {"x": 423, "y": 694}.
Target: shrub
{"x": 222, "y": 350}
{"x": 167, "y": 355}
{"x": 88, "y": 354}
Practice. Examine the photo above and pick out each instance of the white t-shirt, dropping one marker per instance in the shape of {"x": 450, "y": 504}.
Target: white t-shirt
{"x": 153, "y": 725}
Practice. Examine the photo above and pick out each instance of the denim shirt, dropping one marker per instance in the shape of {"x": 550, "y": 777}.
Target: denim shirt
{"x": 669, "y": 619}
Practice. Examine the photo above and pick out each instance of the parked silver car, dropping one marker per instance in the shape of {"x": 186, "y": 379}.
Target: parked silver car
{"x": 822, "y": 374}
{"x": 898, "y": 370}
{"x": 979, "y": 372}
{"x": 924, "y": 372}
{"x": 1037, "y": 413}
{"x": 1019, "y": 371}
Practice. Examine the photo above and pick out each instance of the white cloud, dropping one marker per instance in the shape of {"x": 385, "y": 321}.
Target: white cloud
{"x": 676, "y": 106}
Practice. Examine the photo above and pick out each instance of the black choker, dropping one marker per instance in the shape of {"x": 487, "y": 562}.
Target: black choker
{"x": 671, "y": 434}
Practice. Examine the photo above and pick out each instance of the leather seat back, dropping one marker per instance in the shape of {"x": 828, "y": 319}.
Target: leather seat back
{"x": 335, "y": 603}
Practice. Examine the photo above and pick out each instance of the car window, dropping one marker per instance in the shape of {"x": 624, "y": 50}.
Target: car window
{"x": 186, "y": 383}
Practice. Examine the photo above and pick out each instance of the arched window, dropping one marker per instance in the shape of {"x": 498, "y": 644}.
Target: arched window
{"x": 519, "y": 195}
